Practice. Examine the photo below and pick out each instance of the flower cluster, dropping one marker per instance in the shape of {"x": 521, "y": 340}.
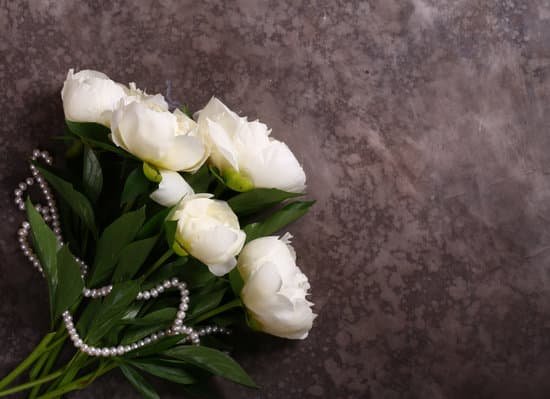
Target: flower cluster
{"x": 160, "y": 229}
{"x": 243, "y": 155}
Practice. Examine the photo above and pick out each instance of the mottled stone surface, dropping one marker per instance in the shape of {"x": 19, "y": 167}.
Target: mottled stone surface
{"x": 424, "y": 126}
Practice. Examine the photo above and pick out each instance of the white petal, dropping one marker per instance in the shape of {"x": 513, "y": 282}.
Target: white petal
{"x": 221, "y": 269}
{"x": 275, "y": 167}
{"x": 187, "y": 153}
{"x": 146, "y": 133}
{"x": 172, "y": 189}
{"x": 222, "y": 146}
{"x": 90, "y": 96}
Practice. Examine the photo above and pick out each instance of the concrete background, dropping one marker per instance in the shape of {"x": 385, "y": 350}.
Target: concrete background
{"x": 423, "y": 126}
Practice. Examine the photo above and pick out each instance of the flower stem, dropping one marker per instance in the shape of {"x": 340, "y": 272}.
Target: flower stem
{"x": 235, "y": 303}
{"x": 47, "y": 361}
{"x": 25, "y": 364}
{"x": 158, "y": 263}
{"x": 80, "y": 383}
{"x": 70, "y": 370}
{"x": 31, "y": 384}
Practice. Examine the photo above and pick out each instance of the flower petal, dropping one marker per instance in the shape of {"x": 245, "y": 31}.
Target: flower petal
{"x": 187, "y": 153}
{"x": 172, "y": 189}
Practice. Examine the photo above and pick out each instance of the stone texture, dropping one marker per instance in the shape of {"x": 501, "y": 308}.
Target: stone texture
{"x": 424, "y": 128}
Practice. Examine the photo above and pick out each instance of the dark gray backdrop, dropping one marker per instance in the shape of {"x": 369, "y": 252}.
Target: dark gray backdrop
{"x": 423, "y": 126}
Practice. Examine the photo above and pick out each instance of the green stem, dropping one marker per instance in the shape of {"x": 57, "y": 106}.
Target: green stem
{"x": 71, "y": 370}
{"x": 235, "y": 303}
{"x": 25, "y": 364}
{"x": 158, "y": 263}
{"x": 49, "y": 360}
{"x": 31, "y": 384}
{"x": 80, "y": 383}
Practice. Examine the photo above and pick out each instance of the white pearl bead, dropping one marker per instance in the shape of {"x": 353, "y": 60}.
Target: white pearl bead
{"x": 174, "y": 281}
{"x": 167, "y": 284}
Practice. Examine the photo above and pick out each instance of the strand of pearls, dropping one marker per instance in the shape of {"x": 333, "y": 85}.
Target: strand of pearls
{"x": 51, "y": 216}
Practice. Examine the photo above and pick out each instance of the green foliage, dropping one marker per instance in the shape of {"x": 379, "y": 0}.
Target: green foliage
{"x": 115, "y": 237}
{"x": 164, "y": 370}
{"x": 200, "y": 180}
{"x": 132, "y": 257}
{"x": 236, "y": 281}
{"x": 154, "y": 225}
{"x": 70, "y": 283}
{"x": 212, "y": 360}
{"x": 77, "y": 201}
{"x": 135, "y": 186}
{"x": 112, "y": 309}
{"x": 258, "y": 199}
{"x": 95, "y": 135}
{"x": 45, "y": 245}
{"x": 203, "y": 302}
{"x": 138, "y": 382}
{"x": 92, "y": 175}
{"x": 277, "y": 220}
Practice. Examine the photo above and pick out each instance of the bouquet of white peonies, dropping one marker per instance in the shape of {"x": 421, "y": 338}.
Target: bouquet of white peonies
{"x": 156, "y": 235}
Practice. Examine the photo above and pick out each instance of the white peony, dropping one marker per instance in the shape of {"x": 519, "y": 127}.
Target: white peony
{"x": 90, "y": 96}
{"x": 209, "y": 230}
{"x": 275, "y": 289}
{"x": 144, "y": 127}
{"x": 244, "y": 152}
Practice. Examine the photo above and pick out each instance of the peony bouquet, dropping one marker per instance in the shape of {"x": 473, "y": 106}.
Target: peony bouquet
{"x": 157, "y": 235}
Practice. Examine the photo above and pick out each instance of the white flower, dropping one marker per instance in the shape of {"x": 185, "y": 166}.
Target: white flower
{"x": 244, "y": 152}
{"x": 275, "y": 289}
{"x": 144, "y": 127}
{"x": 90, "y": 96}
{"x": 209, "y": 230}
{"x": 172, "y": 188}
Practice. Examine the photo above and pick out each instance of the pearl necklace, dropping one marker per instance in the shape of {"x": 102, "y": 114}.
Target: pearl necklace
{"x": 51, "y": 216}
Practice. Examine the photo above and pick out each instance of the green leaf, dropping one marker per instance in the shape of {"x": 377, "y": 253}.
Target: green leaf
{"x": 155, "y": 348}
{"x": 78, "y": 202}
{"x": 236, "y": 281}
{"x": 195, "y": 274}
{"x": 45, "y": 246}
{"x": 164, "y": 371}
{"x": 212, "y": 360}
{"x": 89, "y": 130}
{"x": 134, "y": 334}
{"x": 132, "y": 257}
{"x": 70, "y": 284}
{"x": 92, "y": 175}
{"x": 112, "y": 309}
{"x": 135, "y": 186}
{"x": 140, "y": 383}
{"x": 170, "y": 229}
{"x": 155, "y": 224}
{"x": 115, "y": 237}
{"x": 157, "y": 318}
{"x": 277, "y": 220}
{"x": 200, "y": 180}
{"x": 258, "y": 199}
{"x": 96, "y": 135}
{"x": 84, "y": 324}
{"x": 202, "y": 303}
